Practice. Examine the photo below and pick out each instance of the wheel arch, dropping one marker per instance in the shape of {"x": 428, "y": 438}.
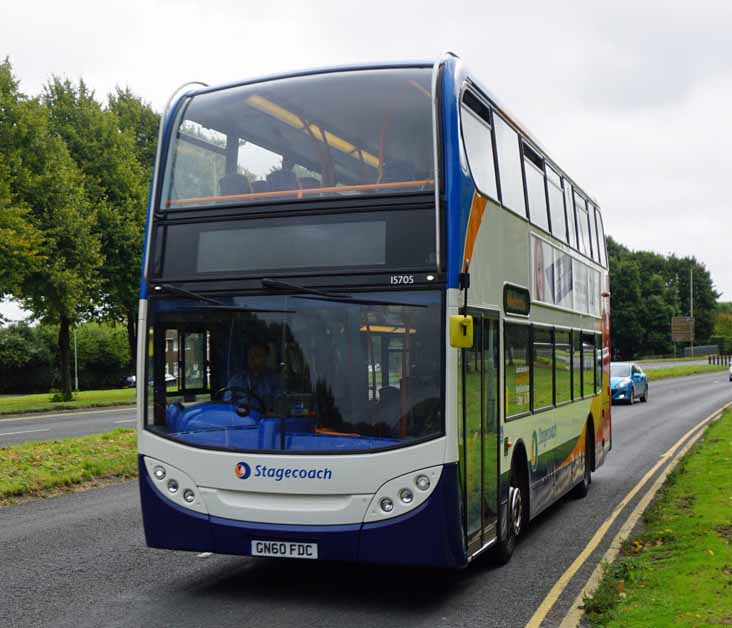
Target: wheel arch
{"x": 520, "y": 462}
{"x": 590, "y": 427}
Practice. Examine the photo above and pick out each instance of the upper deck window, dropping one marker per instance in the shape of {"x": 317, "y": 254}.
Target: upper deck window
{"x": 478, "y": 138}
{"x": 328, "y": 135}
{"x": 509, "y": 167}
{"x": 535, "y": 187}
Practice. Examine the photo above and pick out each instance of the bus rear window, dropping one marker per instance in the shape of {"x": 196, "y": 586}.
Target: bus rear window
{"x": 327, "y": 135}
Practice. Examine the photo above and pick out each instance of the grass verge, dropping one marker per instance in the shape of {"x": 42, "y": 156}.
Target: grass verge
{"x": 38, "y": 469}
{"x": 678, "y": 571}
{"x": 681, "y": 371}
{"x": 84, "y": 399}
{"x": 678, "y": 359}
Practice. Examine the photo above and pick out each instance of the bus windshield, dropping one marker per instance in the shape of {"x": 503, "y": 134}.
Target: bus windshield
{"x": 296, "y": 372}
{"x": 326, "y": 135}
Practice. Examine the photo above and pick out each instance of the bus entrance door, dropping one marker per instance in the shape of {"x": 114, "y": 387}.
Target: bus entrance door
{"x": 479, "y": 398}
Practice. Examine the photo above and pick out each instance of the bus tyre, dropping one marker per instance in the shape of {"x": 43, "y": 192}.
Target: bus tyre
{"x": 516, "y": 518}
{"x": 583, "y": 487}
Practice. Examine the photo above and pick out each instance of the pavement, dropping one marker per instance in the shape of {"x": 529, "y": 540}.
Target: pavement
{"x": 38, "y": 427}
{"x": 80, "y": 560}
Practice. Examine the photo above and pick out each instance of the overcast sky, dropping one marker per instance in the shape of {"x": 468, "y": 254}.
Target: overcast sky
{"x": 632, "y": 99}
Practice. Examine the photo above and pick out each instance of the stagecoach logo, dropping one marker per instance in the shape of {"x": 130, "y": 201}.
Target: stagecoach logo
{"x": 534, "y": 457}
{"x": 539, "y": 439}
{"x": 242, "y": 470}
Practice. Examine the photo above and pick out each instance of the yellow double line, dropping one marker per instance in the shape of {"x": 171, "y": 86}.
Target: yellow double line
{"x": 574, "y": 615}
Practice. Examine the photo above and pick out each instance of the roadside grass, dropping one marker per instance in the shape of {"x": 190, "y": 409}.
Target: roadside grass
{"x": 681, "y": 371}
{"x": 84, "y": 399}
{"x": 34, "y": 469}
{"x": 678, "y": 570}
{"x": 679, "y": 359}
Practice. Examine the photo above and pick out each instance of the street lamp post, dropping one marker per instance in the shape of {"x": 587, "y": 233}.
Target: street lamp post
{"x": 76, "y": 364}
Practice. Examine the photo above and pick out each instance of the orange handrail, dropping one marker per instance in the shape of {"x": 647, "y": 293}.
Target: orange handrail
{"x": 302, "y": 191}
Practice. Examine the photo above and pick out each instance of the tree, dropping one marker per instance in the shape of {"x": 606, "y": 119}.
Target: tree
{"x": 105, "y": 147}
{"x": 27, "y": 358}
{"x": 48, "y": 183}
{"x": 20, "y": 243}
{"x": 625, "y": 290}
{"x": 649, "y": 289}
{"x": 723, "y": 323}
{"x": 138, "y": 119}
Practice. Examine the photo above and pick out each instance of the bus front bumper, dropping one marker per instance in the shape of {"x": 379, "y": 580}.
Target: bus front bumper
{"x": 430, "y": 535}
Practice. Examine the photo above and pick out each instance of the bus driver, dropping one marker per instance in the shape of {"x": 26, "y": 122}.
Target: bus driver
{"x": 259, "y": 380}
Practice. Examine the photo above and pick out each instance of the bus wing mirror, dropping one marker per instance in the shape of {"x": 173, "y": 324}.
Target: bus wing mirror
{"x": 461, "y": 331}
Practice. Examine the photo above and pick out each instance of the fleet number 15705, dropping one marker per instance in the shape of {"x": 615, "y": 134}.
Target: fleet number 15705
{"x": 396, "y": 280}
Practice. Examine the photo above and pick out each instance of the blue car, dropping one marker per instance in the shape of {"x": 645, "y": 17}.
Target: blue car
{"x": 628, "y": 382}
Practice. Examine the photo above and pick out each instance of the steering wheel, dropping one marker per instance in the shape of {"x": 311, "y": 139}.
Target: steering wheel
{"x": 248, "y": 392}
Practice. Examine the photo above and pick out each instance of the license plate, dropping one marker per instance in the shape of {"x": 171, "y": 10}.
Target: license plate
{"x": 285, "y": 549}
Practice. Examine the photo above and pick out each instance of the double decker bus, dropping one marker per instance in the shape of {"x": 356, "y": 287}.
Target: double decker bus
{"x": 373, "y": 323}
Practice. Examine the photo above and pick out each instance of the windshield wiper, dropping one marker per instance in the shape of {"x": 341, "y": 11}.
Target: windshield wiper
{"x": 186, "y": 293}
{"x": 276, "y": 284}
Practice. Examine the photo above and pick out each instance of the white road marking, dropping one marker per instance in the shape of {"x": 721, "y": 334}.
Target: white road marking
{"x": 126, "y": 421}
{"x": 205, "y": 554}
{"x": 23, "y": 432}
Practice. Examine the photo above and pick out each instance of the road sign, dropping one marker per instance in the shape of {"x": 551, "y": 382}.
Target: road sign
{"x": 682, "y": 329}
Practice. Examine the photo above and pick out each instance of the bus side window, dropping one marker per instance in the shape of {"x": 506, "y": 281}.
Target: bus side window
{"x": 535, "y": 187}
{"x": 563, "y": 366}
{"x": 509, "y": 167}
{"x": 569, "y": 208}
{"x": 598, "y": 363}
{"x": 478, "y": 140}
{"x": 576, "y": 365}
{"x": 588, "y": 365}
{"x": 517, "y": 369}
{"x": 542, "y": 368}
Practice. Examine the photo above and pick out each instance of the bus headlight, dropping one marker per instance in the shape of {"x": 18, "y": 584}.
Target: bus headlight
{"x": 175, "y": 485}
{"x": 402, "y": 494}
{"x": 422, "y": 482}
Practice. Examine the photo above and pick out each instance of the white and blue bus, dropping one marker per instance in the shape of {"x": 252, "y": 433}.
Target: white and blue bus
{"x": 373, "y": 321}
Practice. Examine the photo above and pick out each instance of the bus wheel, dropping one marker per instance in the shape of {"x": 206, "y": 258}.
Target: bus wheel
{"x": 583, "y": 487}
{"x": 516, "y": 517}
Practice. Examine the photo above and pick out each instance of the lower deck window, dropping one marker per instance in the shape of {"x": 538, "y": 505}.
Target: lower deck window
{"x": 517, "y": 369}
{"x": 563, "y": 369}
{"x": 543, "y": 367}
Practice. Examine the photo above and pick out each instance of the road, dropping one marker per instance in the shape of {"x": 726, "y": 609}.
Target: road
{"x": 80, "y": 560}
{"x": 62, "y": 425}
